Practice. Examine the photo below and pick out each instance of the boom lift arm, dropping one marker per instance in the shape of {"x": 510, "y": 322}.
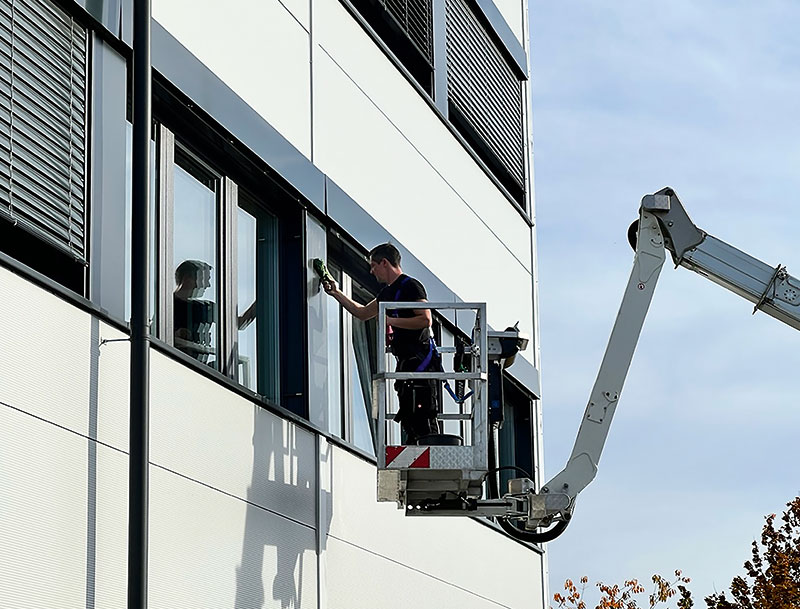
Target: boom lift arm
{"x": 663, "y": 225}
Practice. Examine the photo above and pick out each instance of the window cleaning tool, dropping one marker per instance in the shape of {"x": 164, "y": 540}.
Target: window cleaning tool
{"x": 322, "y": 271}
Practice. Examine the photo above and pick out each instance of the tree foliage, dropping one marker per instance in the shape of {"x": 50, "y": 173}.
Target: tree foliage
{"x": 627, "y": 596}
{"x": 772, "y": 579}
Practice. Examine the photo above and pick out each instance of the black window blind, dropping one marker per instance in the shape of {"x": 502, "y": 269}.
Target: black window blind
{"x": 43, "y": 75}
{"x": 486, "y": 93}
{"x": 414, "y": 18}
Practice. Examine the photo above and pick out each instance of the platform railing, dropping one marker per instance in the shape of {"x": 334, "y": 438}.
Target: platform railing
{"x": 476, "y": 379}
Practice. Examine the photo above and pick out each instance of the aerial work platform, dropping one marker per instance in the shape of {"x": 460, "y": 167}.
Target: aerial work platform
{"x": 445, "y": 475}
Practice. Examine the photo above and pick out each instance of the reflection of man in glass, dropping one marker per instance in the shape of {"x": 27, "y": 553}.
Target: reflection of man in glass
{"x": 193, "y": 317}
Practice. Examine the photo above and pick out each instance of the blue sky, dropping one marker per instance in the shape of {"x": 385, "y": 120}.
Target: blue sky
{"x": 629, "y": 97}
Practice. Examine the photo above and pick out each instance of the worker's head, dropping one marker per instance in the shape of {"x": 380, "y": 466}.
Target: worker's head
{"x": 194, "y": 275}
{"x": 384, "y": 262}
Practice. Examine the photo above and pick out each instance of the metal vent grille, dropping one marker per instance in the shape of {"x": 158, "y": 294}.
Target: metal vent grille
{"x": 43, "y": 63}
{"x": 414, "y": 18}
{"x": 484, "y": 89}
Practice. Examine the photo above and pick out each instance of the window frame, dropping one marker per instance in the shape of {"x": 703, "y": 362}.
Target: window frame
{"x": 229, "y": 195}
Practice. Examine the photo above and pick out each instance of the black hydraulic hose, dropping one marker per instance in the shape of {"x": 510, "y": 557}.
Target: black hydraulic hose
{"x": 529, "y": 536}
{"x": 139, "y": 458}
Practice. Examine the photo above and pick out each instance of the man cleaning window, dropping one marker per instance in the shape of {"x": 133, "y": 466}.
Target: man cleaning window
{"x": 409, "y": 336}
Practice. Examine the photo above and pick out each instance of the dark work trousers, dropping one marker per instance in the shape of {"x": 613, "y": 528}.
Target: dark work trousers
{"x": 419, "y": 402}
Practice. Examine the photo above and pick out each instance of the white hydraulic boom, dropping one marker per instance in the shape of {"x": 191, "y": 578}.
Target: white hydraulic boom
{"x": 663, "y": 225}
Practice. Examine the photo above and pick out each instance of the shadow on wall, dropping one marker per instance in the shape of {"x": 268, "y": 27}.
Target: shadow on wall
{"x": 281, "y": 469}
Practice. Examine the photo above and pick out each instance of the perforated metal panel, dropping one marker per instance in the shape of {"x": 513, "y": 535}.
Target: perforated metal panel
{"x": 43, "y": 53}
{"x": 484, "y": 89}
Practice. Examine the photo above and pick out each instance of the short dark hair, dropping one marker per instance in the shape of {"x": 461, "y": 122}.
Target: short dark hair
{"x": 387, "y": 251}
{"x": 190, "y": 269}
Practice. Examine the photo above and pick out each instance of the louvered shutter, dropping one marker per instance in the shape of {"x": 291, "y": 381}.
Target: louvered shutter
{"x": 43, "y": 106}
{"x": 5, "y": 105}
{"x": 485, "y": 89}
{"x": 415, "y": 18}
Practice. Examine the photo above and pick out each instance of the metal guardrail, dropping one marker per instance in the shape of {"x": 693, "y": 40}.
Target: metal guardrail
{"x": 476, "y": 379}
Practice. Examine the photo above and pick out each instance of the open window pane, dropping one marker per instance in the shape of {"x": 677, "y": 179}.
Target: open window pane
{"x": 195, "y": 300}
{"x": 247, "y": 367}
{"x": 257, "y": 297}
{"x": 362, "y": 367}
{"x": 334, "y": 311}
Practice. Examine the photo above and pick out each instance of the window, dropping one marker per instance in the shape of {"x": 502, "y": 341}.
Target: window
{"x": 406, "y": 27}
{"x": 257, "y": 299}
{"x": 485, "y": 100}
{"x": 351, "y": 364}
{"x": 195, "y": 298}
{"x": 228, "y": 259}
{"x": 361, "y": 354}
{"x": 515, "y": 437}
{"x": 43, "y": 91}
{"x": 335, "y": 381}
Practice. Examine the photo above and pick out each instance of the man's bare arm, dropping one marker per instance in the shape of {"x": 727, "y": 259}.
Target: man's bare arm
{"x": 421, "y": 319}
{"x": 359, "y": 311}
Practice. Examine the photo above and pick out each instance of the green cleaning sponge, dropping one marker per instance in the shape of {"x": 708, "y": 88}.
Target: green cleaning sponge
{"x": 322, "y": 270}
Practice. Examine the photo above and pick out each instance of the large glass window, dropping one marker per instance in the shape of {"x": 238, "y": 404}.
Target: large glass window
{"x": 334, "y": 313}
{"x": 195, "y": 296}
{"x": 257, "y": 302}
{"x": 351, "y": 364}
{"x": 227, "y": 262}
{"x": 362, "y": 353}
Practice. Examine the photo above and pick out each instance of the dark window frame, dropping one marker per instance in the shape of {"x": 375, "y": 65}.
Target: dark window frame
{"x": 217, "y": 152}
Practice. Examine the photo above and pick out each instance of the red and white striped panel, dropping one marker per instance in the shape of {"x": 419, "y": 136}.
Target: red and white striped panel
{"x": 406, "y": 457}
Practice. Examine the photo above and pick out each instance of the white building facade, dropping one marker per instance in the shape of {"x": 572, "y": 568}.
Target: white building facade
{"x": 284, "y": 130}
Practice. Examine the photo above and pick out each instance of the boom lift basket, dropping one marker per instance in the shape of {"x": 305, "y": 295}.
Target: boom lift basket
{"x": 416, "y": 475}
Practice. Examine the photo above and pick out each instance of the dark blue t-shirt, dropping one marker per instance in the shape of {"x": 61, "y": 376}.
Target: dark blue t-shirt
{"x": 405, "y": 343}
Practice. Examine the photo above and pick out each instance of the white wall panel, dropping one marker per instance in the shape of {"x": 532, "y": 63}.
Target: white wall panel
{"x": 459, "y": 551}
{"x": 203, "y": 431}
{"x": 424, "y": 212}
{"x": 209, "y": 549}
{"x": 512, "y": 11}
{"x": 258, "y": 48}
{"x": 383, "y": 583}
{"x": 349, "y": 64}
{"x": 300, "y": 10}
{"x": 52, "y": 364}
{"x": 63, "y": 517}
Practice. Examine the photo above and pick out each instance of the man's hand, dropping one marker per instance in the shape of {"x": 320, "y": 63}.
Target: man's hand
{"x": 330, "y": 286}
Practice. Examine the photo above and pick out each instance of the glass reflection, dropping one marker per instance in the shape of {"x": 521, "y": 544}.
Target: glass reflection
{"x": 247, "y": 321}
{"x": 334, "y": 415}
{"x": 195, "y": 311}
{"x": 361, "y": 387}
